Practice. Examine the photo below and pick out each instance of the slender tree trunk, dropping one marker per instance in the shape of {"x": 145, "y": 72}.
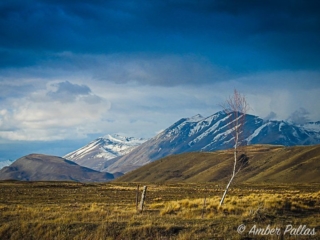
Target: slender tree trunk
{"x": 233, "y": 172}
{"x": 225, "y": 191}
{"x": 237, "y": 107}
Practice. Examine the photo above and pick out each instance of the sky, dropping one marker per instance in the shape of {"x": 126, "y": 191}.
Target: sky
{"x": 72, "y": 71}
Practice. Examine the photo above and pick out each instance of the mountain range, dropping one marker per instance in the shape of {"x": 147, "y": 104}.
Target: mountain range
{"x": 114, "y": 155}
{"x": 198, "y": 134}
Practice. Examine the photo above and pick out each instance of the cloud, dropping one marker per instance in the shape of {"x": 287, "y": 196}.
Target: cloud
{"x": 10, "y": 89}
{"x": 46, "y": 115}
{"x": 145, "y": 69}
{"x": 130, "y": 108}
{"x": 272, "y": 115}
{"x": 242, "y": 36}
{"x": 67, "y": 92}
{"x": 166, "y": 70}
{"x": 74, "y": 68}
{"x": 299, "y": 116}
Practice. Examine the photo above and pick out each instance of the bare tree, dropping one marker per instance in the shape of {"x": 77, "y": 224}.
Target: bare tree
{"x": 237, "y": 107}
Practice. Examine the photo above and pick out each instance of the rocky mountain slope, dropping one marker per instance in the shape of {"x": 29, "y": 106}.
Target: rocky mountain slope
{"x": 104, "y": 151}
{"x": 39, "y": 167}
{"x": 266, "y": 164}
{"x": 213, "y": 133}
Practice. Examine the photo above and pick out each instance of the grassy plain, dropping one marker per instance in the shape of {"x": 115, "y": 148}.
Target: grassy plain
{"x": 66, "y": 210}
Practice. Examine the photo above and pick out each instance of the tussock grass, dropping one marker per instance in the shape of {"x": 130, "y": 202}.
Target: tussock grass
{"x": 40, "y": 210}
{"x": 250, "y": 205}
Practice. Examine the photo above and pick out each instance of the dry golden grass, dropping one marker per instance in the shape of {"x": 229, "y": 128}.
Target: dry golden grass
{"x": 51, "y": 210}
{"x": 249, "y": 205}
{"x": 267, "y": 163}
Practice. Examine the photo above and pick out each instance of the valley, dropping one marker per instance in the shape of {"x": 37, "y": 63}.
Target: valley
{"x": 66, "y": 210}
{"x": 185, "y": 168}
{"x": 159, "y": 120}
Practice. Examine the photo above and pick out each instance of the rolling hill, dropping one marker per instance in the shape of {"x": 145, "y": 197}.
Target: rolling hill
{"x": 39, "y": 167}
{"x": 266, "y": 164}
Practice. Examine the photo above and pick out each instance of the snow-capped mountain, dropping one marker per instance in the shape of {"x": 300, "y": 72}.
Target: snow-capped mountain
{"x": 103, "y": 151}
{"x": 5, "y": 163}
{"x": 213, "y": 133}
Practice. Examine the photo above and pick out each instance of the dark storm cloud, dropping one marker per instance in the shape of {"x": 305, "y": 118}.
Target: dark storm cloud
{"x": 172, "y": 59}
{"x": 236, "y": 35}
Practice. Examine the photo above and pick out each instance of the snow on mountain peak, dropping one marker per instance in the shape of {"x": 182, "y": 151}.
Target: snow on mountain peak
{"x": 97, "y": 153}
{"x": 117, "y": 138}
{"x": 195, "y": 118}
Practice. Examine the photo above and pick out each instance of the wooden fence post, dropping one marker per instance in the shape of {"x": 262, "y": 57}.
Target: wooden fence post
{"x": 143, "y": 196}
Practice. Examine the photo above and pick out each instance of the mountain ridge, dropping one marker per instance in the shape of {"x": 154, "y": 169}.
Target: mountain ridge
{"x": 213, "y": 133}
